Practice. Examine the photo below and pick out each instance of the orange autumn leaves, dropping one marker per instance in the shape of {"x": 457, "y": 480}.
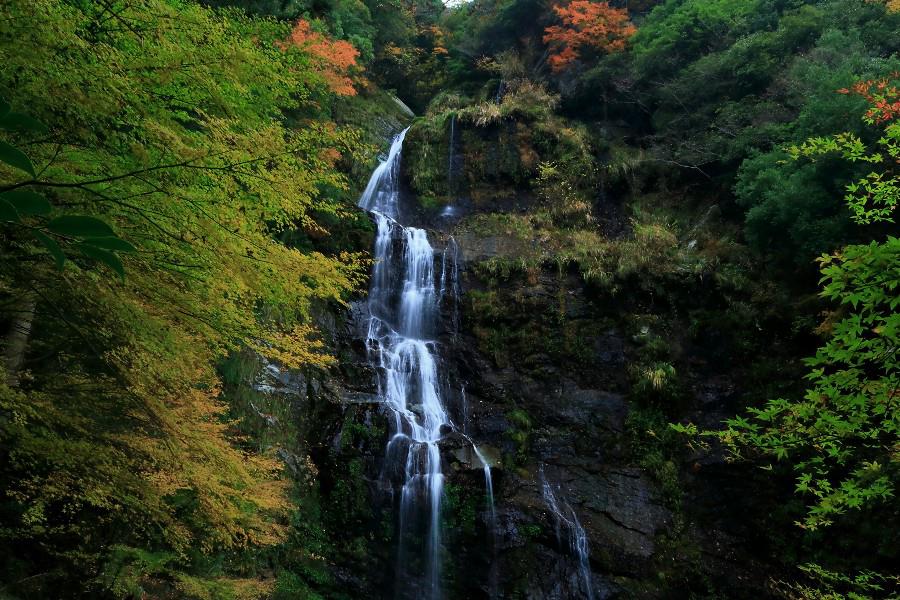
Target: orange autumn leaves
{"x": 883, "y": 96}
{"x": 334, "y": 59}
{"x": 586, "y": 25}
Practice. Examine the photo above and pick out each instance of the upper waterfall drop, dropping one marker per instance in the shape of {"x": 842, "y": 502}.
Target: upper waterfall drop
{"x": 382, "y": 193}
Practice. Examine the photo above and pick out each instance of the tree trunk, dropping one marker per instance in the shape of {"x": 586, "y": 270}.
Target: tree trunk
{"x": 17, "y": 339}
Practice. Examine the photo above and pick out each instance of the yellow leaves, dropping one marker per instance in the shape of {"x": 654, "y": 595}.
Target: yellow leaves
{"x": 195, "y": 588}
{"x": 240, "y": 498}
{"x": 295, "y": 349}
{"x": 393, "y": 50}
{"x": 657, "y": 377}
{"x": 183, "y": 125}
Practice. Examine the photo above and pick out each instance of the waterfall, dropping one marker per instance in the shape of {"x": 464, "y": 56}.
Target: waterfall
{"x": 464, "y": 409}
{"x": 451, "y": 152}
{"x": 382, "y": 193}
{"x": 577, "y": 537}
{"x": 403, "y": 306}
{"x": 494, "y": 574}
{"x": 450, "y": 281}
{"x": 489, "y": 488}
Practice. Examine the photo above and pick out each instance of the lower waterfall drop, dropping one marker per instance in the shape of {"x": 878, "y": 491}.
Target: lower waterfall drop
{"x": 404, "y": 315}
{"x": 577, "y": 537}
{"x": 494, "y": 573}
{"x": 489, "y": 488}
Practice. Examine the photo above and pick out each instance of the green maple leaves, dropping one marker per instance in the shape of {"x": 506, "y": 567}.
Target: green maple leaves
{"x": 28, "y": 209}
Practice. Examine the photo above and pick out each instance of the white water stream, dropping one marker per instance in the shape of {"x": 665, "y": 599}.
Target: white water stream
{"x": 404, "y": 309}
{"x": 405, "y": 298}
{"x": 564, "y": 515}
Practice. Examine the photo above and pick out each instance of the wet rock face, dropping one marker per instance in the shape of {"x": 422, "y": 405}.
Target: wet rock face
{"x": 478, "y": 248}
{"x": 625, "y": 512}
{"x": 578, "y": 433}
{"x": 619, "y": 507}
{"x": 537, "y": 376}
{"x": 537, "y": 412}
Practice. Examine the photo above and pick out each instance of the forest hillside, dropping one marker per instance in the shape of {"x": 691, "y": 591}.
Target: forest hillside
{"x": 332, "y": 299}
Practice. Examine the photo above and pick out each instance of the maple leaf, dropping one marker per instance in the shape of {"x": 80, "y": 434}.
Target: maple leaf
{"x": 333, "y": 59}
{"x": 586, "y": 25}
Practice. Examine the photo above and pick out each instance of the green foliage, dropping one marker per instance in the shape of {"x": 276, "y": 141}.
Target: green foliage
{"x": 531, "y": 531}
{"x": 214, "y": 189}
{"x": 94, "y": 238}
{"x": 712, "y": 97}
{"x": 462, "y": 508}
{"x": 836, "y": 436}
{"x": 502, "y": 144}
{"x": 873, "y": 198}
{"x": 829, "y": 585}
{"x": 564, "y": 200}
{"x": 411, "y": 55}
{"x": 123, "y": 471}
{"x": 655, "y": 447}
{"x": 523, "y": 100}
{"x": 656, "y": 380}
{"x": 840, "y": 438}
{"x": 792, "y": 206}
{"x": 128, "y": 567}
{"x": 725, "y": 85}
{"x": 290, "y": 586}
{"x": 793, "y": 209}
{"x": 519, "y": 433}
{"x": 349, "y": 20}
{"x": 661, "y": 39}
{"x": 426, "y": 155}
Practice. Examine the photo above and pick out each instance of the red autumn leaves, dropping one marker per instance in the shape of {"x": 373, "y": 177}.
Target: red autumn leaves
{"x": 586, "y": 26}
{"x": 333, "y": 59}
{"x": 883, "y": 96}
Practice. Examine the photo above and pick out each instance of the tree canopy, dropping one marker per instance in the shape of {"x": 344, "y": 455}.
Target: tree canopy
{"x": 197, "y": 141}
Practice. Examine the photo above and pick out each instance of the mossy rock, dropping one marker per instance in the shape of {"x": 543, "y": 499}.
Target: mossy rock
{"x": 426, "y": 157}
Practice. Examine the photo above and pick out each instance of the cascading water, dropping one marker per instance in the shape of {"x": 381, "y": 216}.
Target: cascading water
{"x": 494, "y": 574}
{"x": 577, "y": 537}
{"x": 453, "y": 158}
{"x": 404, "y": 310}
{"x": 464, "y": 409}
{"x": 489, "y": 487}
{"x": 451, "y": 153}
